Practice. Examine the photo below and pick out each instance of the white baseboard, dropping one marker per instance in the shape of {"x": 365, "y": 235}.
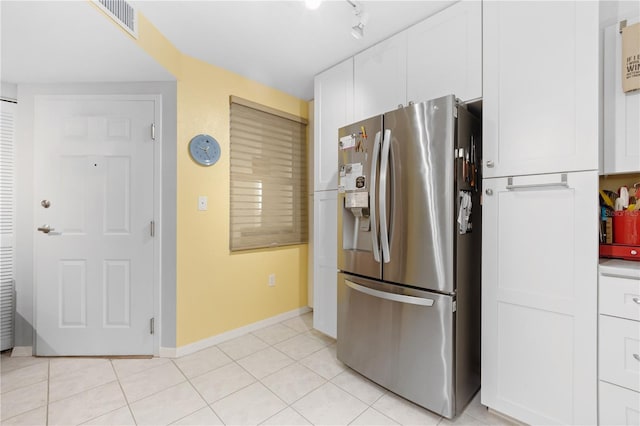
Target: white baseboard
{"x": 22, "y": 351}
{"x": 228, "y": 335}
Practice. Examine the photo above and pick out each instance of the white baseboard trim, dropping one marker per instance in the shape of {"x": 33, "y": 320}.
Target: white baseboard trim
{"x": 228, "y": 335}
{"x": 22, "y": 351}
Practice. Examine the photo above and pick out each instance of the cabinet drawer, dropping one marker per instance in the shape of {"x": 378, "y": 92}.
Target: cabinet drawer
{"x": 620, "y": 296}
{"x": 620, "y": 351}
{"x": 618, "y": 406}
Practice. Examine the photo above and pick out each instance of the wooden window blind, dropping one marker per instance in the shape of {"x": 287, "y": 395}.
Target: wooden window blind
{"x": 268, "y": 177}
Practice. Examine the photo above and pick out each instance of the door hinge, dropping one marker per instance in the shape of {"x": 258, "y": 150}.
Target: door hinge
{"x": 152, "y": 228}
{"x": 152, "y": 326}
{"x": 153, "y": 131}
{"x": 455, "y": 112}
{"x": 455, "y": 306}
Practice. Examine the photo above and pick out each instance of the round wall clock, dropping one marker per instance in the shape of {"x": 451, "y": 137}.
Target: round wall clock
{"x": 204, "y": 149}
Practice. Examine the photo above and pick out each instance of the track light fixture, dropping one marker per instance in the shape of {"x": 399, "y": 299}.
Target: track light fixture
{"x": 357, "y": 30}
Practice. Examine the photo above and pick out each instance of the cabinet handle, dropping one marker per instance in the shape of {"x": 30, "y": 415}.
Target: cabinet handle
{"x": 636, "y": 300}
{"x": 489, "y": 191}
{"x": 490, "y": 164}
{"x": 562, "y": 184}
{"x": 637, "y": 357}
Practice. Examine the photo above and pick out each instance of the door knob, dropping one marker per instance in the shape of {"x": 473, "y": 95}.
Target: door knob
{"x": 45, "y": 229}
{"x": 490, "y": 164}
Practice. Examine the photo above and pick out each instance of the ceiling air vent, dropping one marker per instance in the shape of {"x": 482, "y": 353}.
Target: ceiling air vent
{"x": 122, "y": 12}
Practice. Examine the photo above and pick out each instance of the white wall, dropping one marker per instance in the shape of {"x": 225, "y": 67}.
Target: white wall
{"x": 8, "y": 91}
{"x": 25, "y": 212}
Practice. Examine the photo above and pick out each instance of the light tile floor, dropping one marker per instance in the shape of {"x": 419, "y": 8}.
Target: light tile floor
{"x": 285, "y": 374}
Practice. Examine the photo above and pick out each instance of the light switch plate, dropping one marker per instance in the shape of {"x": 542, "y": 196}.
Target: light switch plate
{"x": 202, "y": 202}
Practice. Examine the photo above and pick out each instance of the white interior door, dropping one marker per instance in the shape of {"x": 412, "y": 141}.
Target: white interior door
{"x": 94, "y": 186}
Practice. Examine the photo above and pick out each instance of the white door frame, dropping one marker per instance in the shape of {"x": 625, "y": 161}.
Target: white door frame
{"x": 157, "y": 203}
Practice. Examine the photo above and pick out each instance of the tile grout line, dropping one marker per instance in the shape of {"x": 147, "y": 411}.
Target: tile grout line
{"x": 46, "y": 418}
{"x": 197, "y": 391}
{"x": 126, "y": 399}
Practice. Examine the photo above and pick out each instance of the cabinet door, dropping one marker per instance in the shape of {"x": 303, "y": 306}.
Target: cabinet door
{"x": 380, "y": 77}
{"x": 539, "y": 297}
{"x": 325, "y": 267}
{"x": 621, "y": 110}
{"x": 618, "y": 406}
{"x": 333, "y": 91}
{"x": 445, "y": 54}
{"x": 540, "y": 87}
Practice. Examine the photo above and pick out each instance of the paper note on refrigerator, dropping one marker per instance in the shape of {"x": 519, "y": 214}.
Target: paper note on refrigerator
{"x": 347, "y": 142}
{"x": 349, "y": 174}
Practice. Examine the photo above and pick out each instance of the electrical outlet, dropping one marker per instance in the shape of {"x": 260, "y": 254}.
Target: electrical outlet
{"x": 272, "y": 280}
{"x": 202, "y": 203}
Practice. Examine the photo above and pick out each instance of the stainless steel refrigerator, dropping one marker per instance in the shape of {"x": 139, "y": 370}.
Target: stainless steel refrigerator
{"x": 409, "y": 241}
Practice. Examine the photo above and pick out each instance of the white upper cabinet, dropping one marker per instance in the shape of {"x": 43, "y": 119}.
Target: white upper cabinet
{"x": 333, "y": 109}
{"x": 380, "y": 77}
{"x": 445, "y": 54}
{"x": 621, "y": 110}
{"x": 540, "y": 87}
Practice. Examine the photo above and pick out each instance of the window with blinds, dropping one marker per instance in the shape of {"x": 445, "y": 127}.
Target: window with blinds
{"x": 7, "y": 220}
{"x": 268, "y": 177}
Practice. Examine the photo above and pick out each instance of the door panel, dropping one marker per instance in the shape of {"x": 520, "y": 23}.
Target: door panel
{"x": 94, "y": 269}
{"x": 539, "y": 297}
{"x": 437, "y": 69}
{"x": 325, "y": 265}
{"x": 333, "y": 90}
{"x": 421, "y": 201}
{"x": 359, "y": 228}
{"x": 380, "y": 77}
{"x": 540, "y": 87}
{"x": 406, "y": 346}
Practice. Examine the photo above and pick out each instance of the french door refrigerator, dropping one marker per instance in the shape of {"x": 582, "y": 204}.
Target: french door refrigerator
{"x": 409, "y": 240}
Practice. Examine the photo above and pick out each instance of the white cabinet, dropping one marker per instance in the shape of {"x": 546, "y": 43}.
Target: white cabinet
{"x": 619, "y": 342}
{"x": 380, "y": 77}
{"x": 618, "y": 406}
{"x": 333, "y": 91}
{"x": 621, "y": 110}
{"x": 540, "y": 87}
{"x": 539, "y": 297}
{"x": 445, "y": 54}
{"x": 325, "y": 267}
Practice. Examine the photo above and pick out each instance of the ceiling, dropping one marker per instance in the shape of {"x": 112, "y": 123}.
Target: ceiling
{"x": 67, "y": 42}
{"x": 279, "y": 43}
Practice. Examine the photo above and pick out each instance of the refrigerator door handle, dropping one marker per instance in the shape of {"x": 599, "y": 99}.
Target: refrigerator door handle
{"x": 384, "y": 167}
{"x": 412, "y": 300}
{"x": 372, "y": 196}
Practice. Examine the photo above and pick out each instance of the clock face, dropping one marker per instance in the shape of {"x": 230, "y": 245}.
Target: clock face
{"x": 204, "y": 149}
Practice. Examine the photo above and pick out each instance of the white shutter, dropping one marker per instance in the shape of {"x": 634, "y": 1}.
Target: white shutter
{"x": 7, "y": 222}
{"x": 268, "y": 177}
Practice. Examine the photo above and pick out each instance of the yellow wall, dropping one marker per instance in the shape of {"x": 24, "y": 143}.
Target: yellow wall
{"x": 218, "y": 291}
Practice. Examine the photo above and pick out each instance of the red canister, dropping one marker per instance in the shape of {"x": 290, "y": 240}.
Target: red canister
{"x": 626, "y": 227}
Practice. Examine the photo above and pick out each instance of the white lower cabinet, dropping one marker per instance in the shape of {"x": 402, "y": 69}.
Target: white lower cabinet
{"x": 539, "y": 297}
{"x": 618, "y": 406}
{"x": 619, "y": 342}
{"x": 325, "y": 267}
